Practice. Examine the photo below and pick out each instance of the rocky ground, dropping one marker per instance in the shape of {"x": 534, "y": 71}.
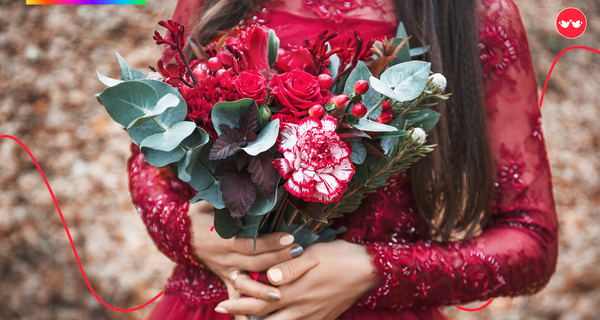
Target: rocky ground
{"x": 48, "y": 55}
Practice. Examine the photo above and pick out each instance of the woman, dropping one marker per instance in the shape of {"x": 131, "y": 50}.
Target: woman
{"x": 488, "y": 180}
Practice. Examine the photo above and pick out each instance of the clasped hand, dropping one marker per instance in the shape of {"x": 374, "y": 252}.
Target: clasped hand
{"x": 320, "y": 284}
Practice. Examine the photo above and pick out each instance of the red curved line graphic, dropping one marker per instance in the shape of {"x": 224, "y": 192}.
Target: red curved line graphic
{"x": 69, "y": 234}
{"x": 161, "y": 293}
{"x": 554, "y": 64}
{"x": 476, "y": 309}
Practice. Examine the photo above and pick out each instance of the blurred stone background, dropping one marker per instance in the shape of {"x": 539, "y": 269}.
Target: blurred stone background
{"x": 48, "y": 59}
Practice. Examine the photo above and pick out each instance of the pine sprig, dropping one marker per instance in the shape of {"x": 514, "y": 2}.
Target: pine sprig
{"x": 399, "y": 160}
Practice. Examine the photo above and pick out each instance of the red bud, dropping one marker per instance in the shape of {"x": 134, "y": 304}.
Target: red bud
{"x": 325, "y": 81}
{"x": 316, "y": 111}
{"x": 361, "y": 87}
{"x": 214, "y": 64}
{"x": 359, "y": 110}
{"x": 340, "y": 100}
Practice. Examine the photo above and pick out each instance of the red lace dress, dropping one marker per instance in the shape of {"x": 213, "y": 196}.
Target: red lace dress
{"x": 515, "y": 253}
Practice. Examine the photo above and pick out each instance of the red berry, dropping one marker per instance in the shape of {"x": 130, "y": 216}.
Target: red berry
{"x": 340, "y": 100}
{"x": 316, "y": 111}
{"x": 214, "y": 64}
{"x": 200, "y": 72}
{"x": 359, "y": 110}
{"x": 386, "y": 106}
{"x": 361, "y": 87}
{"x": 385, "y": 117}
{"x": 226, "y": 57}
{"x": 325, "y": 81}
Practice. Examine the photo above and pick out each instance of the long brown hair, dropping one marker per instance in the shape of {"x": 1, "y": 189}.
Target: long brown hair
{"x": 453, "y": 185}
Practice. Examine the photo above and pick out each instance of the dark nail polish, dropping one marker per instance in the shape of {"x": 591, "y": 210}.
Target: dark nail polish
{"x": 273, "y": 296}
{"x": 296, "y": 251}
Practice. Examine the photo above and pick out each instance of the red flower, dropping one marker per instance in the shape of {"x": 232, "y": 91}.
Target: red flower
{"x": 316, "y": 161}
{"x": 285, "y": 118}
{"x": 298, "y": 57}
{"x": 254, "y": 44}
{"x": 296, "y": 91}
{"x": 251, "y": 84}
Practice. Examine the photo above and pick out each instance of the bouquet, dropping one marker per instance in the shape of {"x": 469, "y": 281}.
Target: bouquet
{"x": 274, "y": 139}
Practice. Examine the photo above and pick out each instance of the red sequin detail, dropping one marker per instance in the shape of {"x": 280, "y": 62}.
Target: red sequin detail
{"x": 496, "y": 50}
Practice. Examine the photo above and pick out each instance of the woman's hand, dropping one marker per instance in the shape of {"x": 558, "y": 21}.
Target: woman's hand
{"x": 228, "y": 258}
{"x": 321, "y": 284}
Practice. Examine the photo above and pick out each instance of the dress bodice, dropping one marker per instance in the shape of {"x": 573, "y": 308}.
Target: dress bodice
{"x": 517, "y": 250}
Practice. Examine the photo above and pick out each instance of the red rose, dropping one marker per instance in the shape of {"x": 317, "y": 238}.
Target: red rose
{"x": 285, "y": 118}
{"x": 251, "y": 84}
{"x": 254, "y": 44}
{"x": 298, "y": 57}
{"x": 297, "y": 91}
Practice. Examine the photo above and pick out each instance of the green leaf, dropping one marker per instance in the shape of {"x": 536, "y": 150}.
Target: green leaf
{"x": 265, "y": 140}
{"x": 262, "y": 205}
{"x": 110, "y": 82}
{"x": 166, "y": 102}
{"x": 368, "y": 125}
{"x": 407, "y": 80}
{"x": 330, "y": 234}
{"x": 229, "y": 113}
{"x": 401, "y": 31}
{"x": 334, "y": 63}
{"x": 170, "y": 138}
{"x": 128, "y": 73}
{"x": 273, "y": 47}
{"x": 303, "y": 236}
{"x": 426, "y": 120}
{"x": 359, "y": 152}
{"x": 341, "y": 83}
{"x": 382, "y": 88}
{"x": 129, "y": 101}
{"x": 403, "y": 55}
{"x": 361, "y": 173}
{"x": 192, "y": 147}
{"x": 212, "y": 195}
{"x": 370, "y": 99}
{"x": 415, "y": 52}
{"x": 167, "y": 119}
{"x": 163, "y": 158}
{"x": 226, "y": 226}
{"x": 251, "y": 226}
{"x": 203, "y": 173}
{"x": 399, "y": 133}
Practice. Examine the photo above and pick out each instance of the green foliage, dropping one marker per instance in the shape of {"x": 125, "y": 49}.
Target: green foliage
{"x": 403, "y": 82}
{"x": 403, "y": 55}
{"x": 128, "y": 73}
{"x": 170, "y": 138}
{"x": 368, "y": 125}
{"x": 359, "y": 152}
{"x": 265, "y": 140}
{"x": 225, "y": 225}
{"x": 229, "y": 113}
{"x": 273, "y": 47}
{"x": 371, "y": 97}
{"x": 425, "y": 120}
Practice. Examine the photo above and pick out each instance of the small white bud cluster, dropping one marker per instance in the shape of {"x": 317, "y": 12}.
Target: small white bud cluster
{"x": 437, "y": 80}
{"x": 418, "y": 137}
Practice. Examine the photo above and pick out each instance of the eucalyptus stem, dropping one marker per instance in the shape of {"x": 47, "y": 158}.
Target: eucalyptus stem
{"x": 207, "y": 170}
{"x": 300, "y": 227}
{"x": 368, "y": 115}
{"x": 292, "y": 218}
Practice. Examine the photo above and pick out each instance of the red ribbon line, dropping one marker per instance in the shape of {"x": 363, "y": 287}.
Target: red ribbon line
{"x": 161, "y": 293}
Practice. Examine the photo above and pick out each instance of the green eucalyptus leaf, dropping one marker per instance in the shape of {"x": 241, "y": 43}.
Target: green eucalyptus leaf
{"x": 226, "y": 226}
{"x": 262, "y": 205}
{"x": 251, "y": 226}
{"x": 110, "y": 82}
{"x": 303, "y": 236}
{"x": 359, "y": 152}
{"x": 162, "y": 158}
{"x": 371, "y": 97}
{"x": 382, "y": 88}
{"x": 401, "y": 31}
{"x": 265, "y": 140}
{"x": 170, "y": 138}
{"x": 334, "y": 64}
{"x": 202, "y": 175}
{"x": 128, "y": 73}
{"x": 407, "y": 80}
{"x": 192, "y": 147}
{"x": 172, "y": 115}
{"x": 273, "y": 47}
{"x": 229, "y": 113}
{"x": 403, "y": 55}
{"x": 212, "y": 195}
{"x": 415, "y": 52}
{"x": 166, "y": 102}
{"x": 426, "y": 120}
{"x": 368, "y": 125}
{"x": 129, "y": 101}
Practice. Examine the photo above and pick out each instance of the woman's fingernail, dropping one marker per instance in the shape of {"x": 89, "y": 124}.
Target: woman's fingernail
{"x": 296, "y": 251}
{"x": 286, "y": 240}
{"x": 273, "y": 296}
{"x": 220, "y": 310}
{"x": 275, "y": 275}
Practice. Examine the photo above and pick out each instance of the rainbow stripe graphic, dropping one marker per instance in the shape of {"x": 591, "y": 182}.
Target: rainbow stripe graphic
{"x": 85, "y": 2}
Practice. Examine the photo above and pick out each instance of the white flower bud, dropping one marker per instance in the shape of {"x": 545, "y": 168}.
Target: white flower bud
{"x": 437, "y": 80}
{"x": 418, "y": 137}
{"x": 155, "y": 76}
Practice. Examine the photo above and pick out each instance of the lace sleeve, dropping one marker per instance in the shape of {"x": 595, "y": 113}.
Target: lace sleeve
{"x": 162, "y": 201}
{"x": 517, "y": 251}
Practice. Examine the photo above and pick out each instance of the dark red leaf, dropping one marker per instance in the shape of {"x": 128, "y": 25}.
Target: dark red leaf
{"x": 238, "y": 190}
{"x": 373, "y": 149}
{"x": 311, "y": 209}
{"x": 242, "y": 160}
{"x": 340, "y": 111}
{"x": 352, "y": 133}
{"x": 264, "y": 175}
{"x": 226, "y": 144}
{"x": 248, "y": 122}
